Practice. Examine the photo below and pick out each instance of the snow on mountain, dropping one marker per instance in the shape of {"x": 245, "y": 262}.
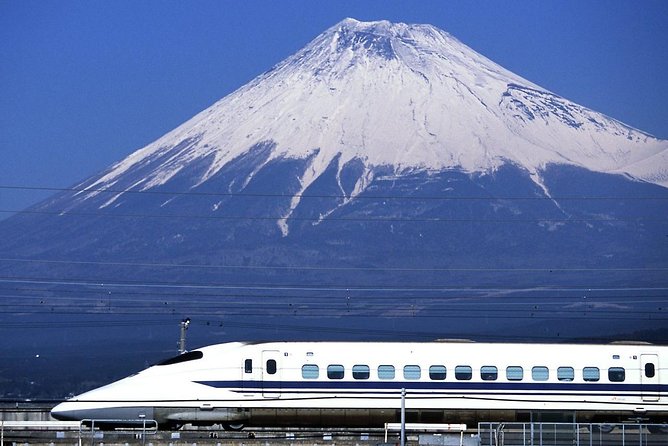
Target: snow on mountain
{"x": 410, "y": 97}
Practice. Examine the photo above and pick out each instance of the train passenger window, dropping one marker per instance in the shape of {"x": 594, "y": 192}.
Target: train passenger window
{"x": 361, "y": 372}
{"x": 412, "y": 372}
{"x": 385, "y": 372}
{"x": 540, "y": 373}
{"x": 565, "y": 374}
{"x": 310, "y": 371}
{"x": 514, "y": 373}
{"x": 591, "y": 374}
{"x": 488, "y": 373}
{"x": 248, "y": 366}
{"x": 335, "y": 371}
{"x": 271, "y": 366}
{"x": 649, "y": 370}
{"x": 437, "y": 372}
{"x": 463, "y": 372}
{"x": 616, "y": 374}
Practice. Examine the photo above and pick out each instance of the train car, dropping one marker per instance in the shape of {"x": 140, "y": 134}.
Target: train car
{"x": 348, "y": 384}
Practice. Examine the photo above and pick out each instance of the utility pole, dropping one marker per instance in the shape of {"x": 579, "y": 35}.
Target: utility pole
{"x": 182, "y": 339}
{"x": 403, "y": 418}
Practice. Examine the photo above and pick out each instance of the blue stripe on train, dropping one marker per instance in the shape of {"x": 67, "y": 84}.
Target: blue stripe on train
{"x": 436, "y": 386}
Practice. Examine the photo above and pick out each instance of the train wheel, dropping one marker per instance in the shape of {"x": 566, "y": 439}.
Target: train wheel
{"x": 233, "y": 427}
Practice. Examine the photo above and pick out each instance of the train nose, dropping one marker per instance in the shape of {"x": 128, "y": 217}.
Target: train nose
{"x": 94, "y": 411}
{"x": 65, "y": 411}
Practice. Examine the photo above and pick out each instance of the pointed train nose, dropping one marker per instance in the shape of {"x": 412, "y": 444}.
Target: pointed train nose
{"x": 115, "y": 401}
{"x": 96, "y": 411}
{"x": 65, "y": 411}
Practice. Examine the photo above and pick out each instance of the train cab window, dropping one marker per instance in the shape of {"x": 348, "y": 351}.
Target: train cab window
{"x": 185, "y": 357}
{"x": 514, "y": 373}
{"x": 271, "y": 366}
{"x": 616, "y": 374}
{"x": 248, "y": 366}
{"x": 361, "y": 371}
{"x": 463, "y": 372}
{"x": 489, "y": 373}
{"x": 385, "y": 372}
{"x": 412, "y": 372}
{"x": 565, "y": 374}
{"x": 310, "y": 371}
{"x": 437, "y": 372}
{"x": 540, "y": 373}
{"x": 335, "y": 371}
{"x": 650, "y": 371}
{"x": 591, "y": 374}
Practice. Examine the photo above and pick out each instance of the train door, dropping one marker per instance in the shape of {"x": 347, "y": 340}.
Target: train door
{"x": 249, "y": 373}
{"x": 649, "y": 376}
{"x": 271, "y": 374}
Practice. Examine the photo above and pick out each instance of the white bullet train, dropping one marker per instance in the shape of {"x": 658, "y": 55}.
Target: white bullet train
{"x": 340, "y": 384}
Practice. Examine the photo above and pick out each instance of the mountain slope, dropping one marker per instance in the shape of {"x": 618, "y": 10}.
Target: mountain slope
{"x": 406, "y": 96}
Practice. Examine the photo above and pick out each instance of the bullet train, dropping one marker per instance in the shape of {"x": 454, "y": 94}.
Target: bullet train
{"x": 349, "y": 384}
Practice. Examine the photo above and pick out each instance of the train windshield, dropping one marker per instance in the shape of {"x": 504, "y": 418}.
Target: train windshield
{"x": 189, "y": 356}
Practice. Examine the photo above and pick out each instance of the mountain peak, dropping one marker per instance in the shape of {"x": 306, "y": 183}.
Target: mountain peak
{"x": 383, "y": 28}
{"x": 384, "y": 39}
{"x": 373, "y": 37}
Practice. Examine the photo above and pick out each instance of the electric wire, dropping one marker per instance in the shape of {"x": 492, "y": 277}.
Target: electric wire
{"x": 65, "y": 213}
{"x": 404, "y": 317}
{"x": 364, "y": 196}
{"x": 60, "y": 295}
{"x": 622, "y": 303}
{"x": 333, "y": 268}
{"x": 364, "y": 314}
{"x": 100, "y": 282}
{"x": 145, "y": 294}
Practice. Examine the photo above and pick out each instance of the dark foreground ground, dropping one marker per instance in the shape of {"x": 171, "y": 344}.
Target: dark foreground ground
{"x": 27, "y": 424}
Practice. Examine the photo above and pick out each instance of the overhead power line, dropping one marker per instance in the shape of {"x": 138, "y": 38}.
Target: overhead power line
{"x": 288, "y": 287}
{"x": 14, "y": 303}
{"x": 51, "y": 296}
{"x": 332, "y": 268}
{"x": 622, "y": 303}
{"x": 380, "y": 219}
{"x": 367, "y": 312}
{"x": 364, "y": 196}
{"x": 357, "y": 315}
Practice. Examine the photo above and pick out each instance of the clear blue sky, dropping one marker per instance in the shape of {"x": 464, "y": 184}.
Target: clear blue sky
{"x": 85, "y": 83}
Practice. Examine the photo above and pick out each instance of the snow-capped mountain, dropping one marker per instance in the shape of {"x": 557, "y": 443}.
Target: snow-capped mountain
{"x": 404, "y": 98}
{"x": 385, "y": 175}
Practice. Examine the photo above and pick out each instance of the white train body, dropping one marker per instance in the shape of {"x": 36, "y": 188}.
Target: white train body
{"x": 360, "y": 384}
